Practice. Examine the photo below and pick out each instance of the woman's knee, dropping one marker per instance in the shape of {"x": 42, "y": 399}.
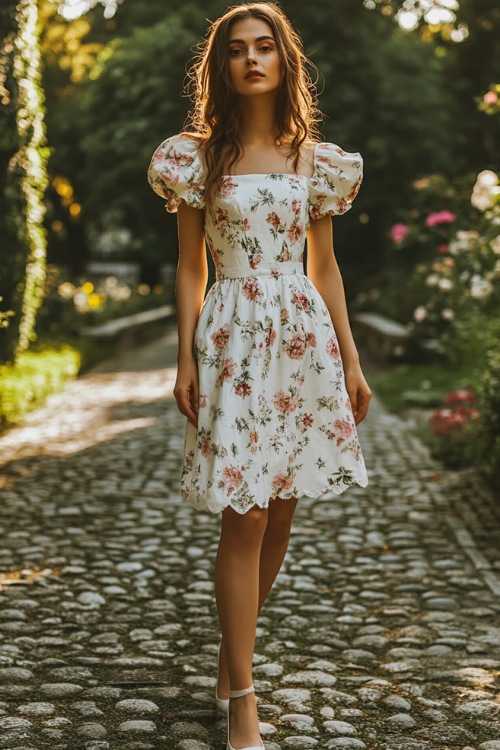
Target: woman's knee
{"x": 246, "y": 527}
{"x": 280, "y": 519}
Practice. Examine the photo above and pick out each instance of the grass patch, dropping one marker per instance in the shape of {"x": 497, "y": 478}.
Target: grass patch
{"x": 423, "y": 385}
{"x": 42, "y": 370}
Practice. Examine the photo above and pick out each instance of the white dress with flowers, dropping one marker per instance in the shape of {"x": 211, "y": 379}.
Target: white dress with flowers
{"x": 274, "y": 416}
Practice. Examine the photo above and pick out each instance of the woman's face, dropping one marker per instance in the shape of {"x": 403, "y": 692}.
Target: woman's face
{"x": 252, "y": 49}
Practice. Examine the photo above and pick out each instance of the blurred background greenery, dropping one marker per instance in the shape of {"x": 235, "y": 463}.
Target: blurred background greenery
{"x": 89, "y": 89}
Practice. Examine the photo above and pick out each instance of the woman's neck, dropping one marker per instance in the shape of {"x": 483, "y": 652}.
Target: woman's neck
{"x": 258, "y": 119}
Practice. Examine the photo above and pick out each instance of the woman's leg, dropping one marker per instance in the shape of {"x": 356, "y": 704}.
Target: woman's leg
{"x": 237, "y": 596}
{"x": 275, "y": 543}
{"x": 272, "y": 554}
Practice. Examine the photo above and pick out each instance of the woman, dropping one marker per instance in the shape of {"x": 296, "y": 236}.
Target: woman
{"x": 268, "y": 375}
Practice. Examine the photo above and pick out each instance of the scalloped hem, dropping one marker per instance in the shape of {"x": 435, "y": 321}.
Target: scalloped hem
{"x": 216, "y": 508}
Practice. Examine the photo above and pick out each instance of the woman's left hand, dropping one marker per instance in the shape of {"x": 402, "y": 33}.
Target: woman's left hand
{"x": 358, "y": 391}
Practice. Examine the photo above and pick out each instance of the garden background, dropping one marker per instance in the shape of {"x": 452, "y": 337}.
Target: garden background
{"x": 87, "y": 92}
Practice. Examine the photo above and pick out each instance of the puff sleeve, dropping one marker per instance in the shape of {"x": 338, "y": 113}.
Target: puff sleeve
{"x": 336, "y": 180}
{"x": 176, "y": 172}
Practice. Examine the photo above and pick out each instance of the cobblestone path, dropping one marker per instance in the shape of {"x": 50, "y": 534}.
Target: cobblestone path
{"x": 382, "y": 631}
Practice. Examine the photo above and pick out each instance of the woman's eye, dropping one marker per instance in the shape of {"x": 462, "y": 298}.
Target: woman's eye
{"x": 263, "y": 49}
{"x": 234, "y": 52}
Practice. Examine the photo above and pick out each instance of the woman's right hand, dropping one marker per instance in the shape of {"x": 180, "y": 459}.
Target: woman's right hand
{"x": 186, "y": 389}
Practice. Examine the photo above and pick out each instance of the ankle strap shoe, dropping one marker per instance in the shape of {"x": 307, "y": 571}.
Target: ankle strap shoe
{"x": 221, "y": 703}
{"x": 237, "y": 694}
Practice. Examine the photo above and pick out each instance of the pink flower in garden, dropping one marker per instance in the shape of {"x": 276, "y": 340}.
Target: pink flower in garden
{"x": 444, "y": 421}
{"x": 490, "y": 97}
{"x": 296, "y": 346}
{"x": 439, "y": 217}
{"x": 442, "y": 248}
{"x": 463, "y": 395}
{"x": 285, "y": 403}
{"x": 221, "y": 337}
{"x": 227, "y": 371}
{"x": 399, "y": 232}
{"x": 420, "y": 313}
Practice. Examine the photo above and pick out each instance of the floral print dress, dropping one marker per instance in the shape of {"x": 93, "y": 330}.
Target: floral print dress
{"x": 274, "y": 416}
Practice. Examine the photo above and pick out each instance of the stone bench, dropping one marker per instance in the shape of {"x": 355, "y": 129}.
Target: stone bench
{"x": 387, "y": 339}
{"x": 130, "y": 329}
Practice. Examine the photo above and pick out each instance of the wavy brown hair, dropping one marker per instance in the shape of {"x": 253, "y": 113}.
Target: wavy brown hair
{"x": 214, "y": 120}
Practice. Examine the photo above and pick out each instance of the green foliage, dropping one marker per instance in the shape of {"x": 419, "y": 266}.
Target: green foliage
{"x": 489, "y": 406}
{"x": 26, "y": 384}
{"x": 23, "y": 171}
{"x": 132, "y": 103}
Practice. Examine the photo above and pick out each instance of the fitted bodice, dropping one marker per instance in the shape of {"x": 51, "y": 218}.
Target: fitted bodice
{"x": 256, "y": 222}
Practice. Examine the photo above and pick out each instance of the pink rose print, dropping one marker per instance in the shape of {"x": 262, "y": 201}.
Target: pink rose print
{"x": 296, "y": 346}
{"x": 254, "y": 441}
{"x": 246, "y": 224}
{"x": 296, "y": 205}
{"x": 286, "y": 255}
{"x": 227, "y": 186}
{"x": 221, "y": 337}
{"x": 202, "y": 402}
{"x": 284, "y": 403}
{"x": 232, "y": 478}
{"x": 274, "y": 219}
{"x": 251, "y": 289}
{"x": 317, "y": 209}
{"x": 305, "y": 421}
{"x": 227, "y": 371}
{"x": 243, "y": 389}
{"x": 332, "y": 348}
{"x": 295, "y": 232}
{"x": 282, "y": 482}
{"x": 254, "y": 262}
{"x": 271, "y": 336}
{"x": 284, "y": 315}
{"x": 301, "y": 300}
{"x": 343, "y": 430}
{"x": 311, "y": 339}
{"x": 221, "y": 218}
{"x": 206, "y": 446}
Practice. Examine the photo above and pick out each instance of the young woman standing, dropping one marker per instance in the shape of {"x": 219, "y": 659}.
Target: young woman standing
{"x": 268, "y": 375}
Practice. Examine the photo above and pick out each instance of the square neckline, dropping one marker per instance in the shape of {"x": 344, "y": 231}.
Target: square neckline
{"x": 281, "y": 174}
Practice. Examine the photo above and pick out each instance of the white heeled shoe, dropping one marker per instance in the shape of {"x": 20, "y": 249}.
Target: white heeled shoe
{"x": 221, "y": 703}
{"x": 236, "y": 694}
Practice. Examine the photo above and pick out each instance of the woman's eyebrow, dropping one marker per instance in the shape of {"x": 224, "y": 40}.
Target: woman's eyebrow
{"x": 259, "y": 39}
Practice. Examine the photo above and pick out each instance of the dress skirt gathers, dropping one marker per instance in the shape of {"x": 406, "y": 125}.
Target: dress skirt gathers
{"x": 274, "y": 416}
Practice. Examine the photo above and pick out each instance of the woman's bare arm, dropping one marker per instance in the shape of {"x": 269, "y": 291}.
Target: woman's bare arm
{"x": 324, "y": 273}
{"x": 191, "y": 282}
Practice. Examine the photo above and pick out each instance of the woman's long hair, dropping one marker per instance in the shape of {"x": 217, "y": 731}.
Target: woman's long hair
{"x": 215, "y": 117}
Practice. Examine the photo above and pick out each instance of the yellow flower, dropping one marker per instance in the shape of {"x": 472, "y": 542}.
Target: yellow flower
{"x": 88, "y": 287}
{"x": 94, "y": 301}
